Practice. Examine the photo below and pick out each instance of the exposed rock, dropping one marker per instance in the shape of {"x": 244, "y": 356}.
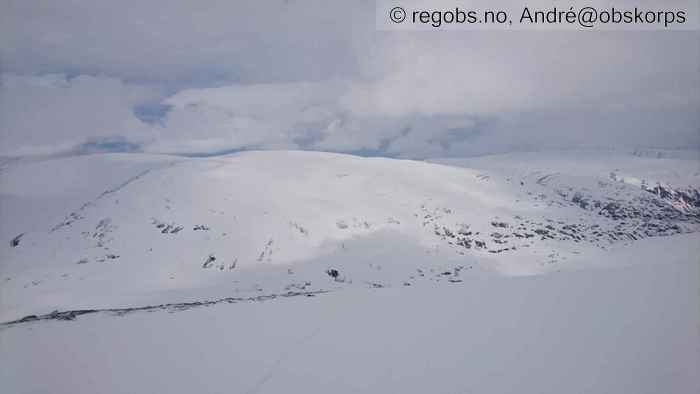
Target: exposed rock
{"x": 15, "y": 241}
{"x": 209, "y": 261}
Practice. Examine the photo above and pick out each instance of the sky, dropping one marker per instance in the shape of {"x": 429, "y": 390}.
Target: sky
{"x": 210, "y": 77}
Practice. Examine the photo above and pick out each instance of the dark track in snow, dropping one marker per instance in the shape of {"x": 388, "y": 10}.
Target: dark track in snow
{"x": 171, "y": 307}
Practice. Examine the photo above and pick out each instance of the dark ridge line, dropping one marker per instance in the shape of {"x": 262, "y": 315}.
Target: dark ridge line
{"x": 124, "y": 183}
{"x": 172, "y": 307}
{"x": 75, "y": 215}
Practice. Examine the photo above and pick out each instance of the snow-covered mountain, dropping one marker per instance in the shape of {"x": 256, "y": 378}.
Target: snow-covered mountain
{"x": 123, "y": 231}
{"x": 379, "y": 275}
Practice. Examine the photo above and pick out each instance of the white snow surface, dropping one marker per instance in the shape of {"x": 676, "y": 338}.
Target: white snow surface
{"x": 605, "y": 307}
{"x": 674, "y": 168}
{"x": 623, "y": 330}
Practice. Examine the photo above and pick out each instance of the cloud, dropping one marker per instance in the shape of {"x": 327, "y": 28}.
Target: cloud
{"x": 53, "y": 113}
{"x": 279, "y": 115}
{"x": 186, "y": 42}
{"x": 320, "y": 116}
{"x": 435, "y": 98}
{"x": 317, "y": 75}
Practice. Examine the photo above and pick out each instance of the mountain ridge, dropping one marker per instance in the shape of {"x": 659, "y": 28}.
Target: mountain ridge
{"x": 252, "y": 223}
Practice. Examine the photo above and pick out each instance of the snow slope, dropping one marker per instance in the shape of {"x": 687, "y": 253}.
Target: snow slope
{"x": 623, "y": 330}
{"x": 120, "y": 231}
{"x": 264, "y": 272}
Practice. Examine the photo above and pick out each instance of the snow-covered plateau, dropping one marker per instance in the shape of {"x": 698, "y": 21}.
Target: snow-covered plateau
{"x": 317, "y": 272}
